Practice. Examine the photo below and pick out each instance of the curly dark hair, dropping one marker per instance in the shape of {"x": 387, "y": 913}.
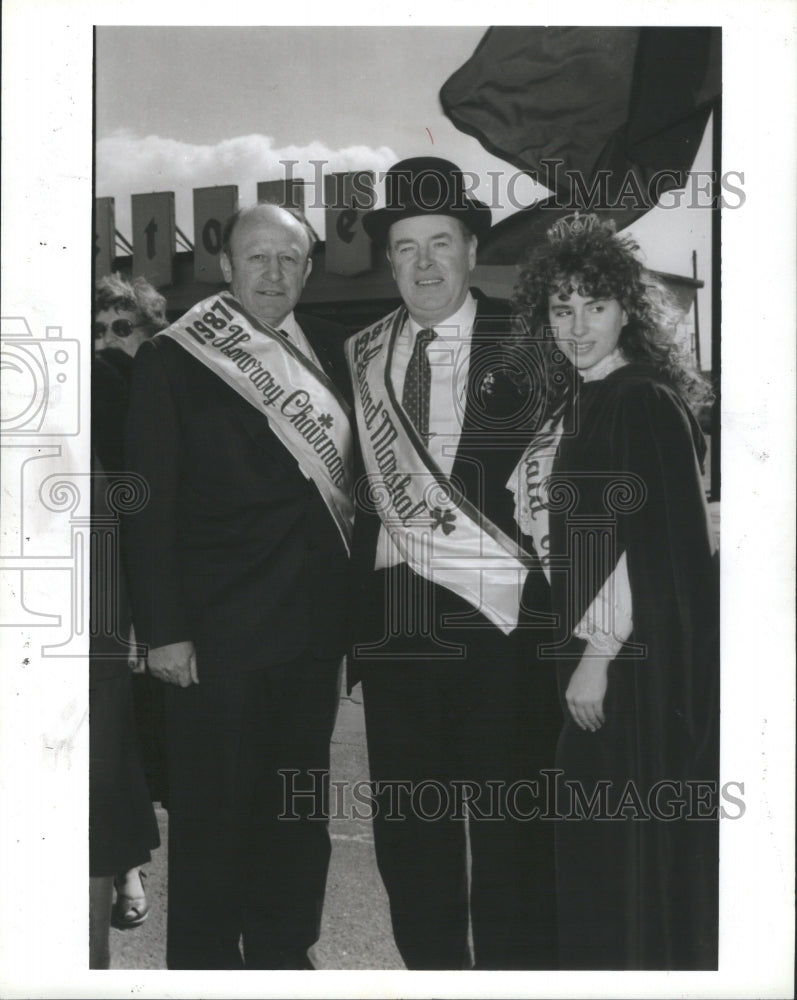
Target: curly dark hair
{"x": 597, "y": 263}
{"x": 113, "y": 291}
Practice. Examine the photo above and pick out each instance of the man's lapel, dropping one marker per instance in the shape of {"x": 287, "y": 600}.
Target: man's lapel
{"x": 319, "y": 345}
{"x": 493, "y": 437}
{"x": 330, "y": 356}
{"x": 492, "y": 396}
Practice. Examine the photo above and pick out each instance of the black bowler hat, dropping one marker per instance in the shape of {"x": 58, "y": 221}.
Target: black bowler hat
{"x": 426, "y": 185}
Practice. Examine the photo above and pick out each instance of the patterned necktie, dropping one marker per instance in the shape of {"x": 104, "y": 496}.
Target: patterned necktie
{"x": 418, "y": 384}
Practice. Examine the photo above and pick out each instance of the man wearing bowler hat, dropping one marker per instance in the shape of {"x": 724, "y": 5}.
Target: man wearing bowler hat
{"x": 459, "y": 715}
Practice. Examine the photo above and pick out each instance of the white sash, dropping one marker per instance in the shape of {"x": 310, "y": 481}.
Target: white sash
{"x": 440, "y": 535}
{"x": 529, "y": 483}
{"x": 303, "y": 408}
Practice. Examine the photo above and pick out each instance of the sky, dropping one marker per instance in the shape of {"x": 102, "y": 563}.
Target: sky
{"x": 184, "y": 107}
{"x": 207, "y": 84}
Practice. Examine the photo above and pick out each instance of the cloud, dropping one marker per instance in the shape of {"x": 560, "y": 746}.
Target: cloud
{"x": 129, "y": 164}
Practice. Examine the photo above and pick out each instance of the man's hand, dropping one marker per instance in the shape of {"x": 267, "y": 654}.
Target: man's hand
{"x": 175, "y": 663}
{"x": 586, "y": 690}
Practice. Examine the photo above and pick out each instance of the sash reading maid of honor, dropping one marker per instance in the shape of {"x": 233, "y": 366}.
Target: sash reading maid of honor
{"x": 440, "y": 535}
{"x": 303, "y": 408}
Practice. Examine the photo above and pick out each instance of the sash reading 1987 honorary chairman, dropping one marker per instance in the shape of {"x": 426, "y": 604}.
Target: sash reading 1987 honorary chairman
{"x": 303, "y": 408}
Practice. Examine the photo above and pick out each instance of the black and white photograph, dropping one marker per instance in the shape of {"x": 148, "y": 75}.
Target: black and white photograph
{"x": 398, "y": 439}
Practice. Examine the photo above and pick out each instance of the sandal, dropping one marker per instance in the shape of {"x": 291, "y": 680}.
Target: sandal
{"x": 129, "y": 911}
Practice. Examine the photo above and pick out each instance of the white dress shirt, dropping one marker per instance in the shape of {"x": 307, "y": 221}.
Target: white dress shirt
{"x": 449, "y": 358}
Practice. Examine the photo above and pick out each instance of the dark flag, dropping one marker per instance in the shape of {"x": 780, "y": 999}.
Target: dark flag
{"x": 608, "y": 119}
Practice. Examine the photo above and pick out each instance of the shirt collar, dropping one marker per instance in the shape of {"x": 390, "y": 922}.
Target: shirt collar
{"x": 289, "y": 325}
{"x": 459, "y": 325}
{"x": 605, "y": 366}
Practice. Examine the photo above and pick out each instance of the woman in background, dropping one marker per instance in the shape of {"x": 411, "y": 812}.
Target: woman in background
{"x": 611, "y": 492}
{"x": 123, "y": 829}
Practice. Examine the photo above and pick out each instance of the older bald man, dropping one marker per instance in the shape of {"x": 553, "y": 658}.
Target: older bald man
{"x": 238, "y": 566}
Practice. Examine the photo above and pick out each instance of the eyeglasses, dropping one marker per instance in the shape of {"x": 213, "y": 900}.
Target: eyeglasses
{"x": 121, "y": 327}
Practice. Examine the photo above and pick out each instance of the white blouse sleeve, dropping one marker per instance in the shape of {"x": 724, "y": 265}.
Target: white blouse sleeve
{"x": 608, "y": 621}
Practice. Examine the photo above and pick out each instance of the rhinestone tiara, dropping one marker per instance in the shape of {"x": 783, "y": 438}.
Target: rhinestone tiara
{"x": 576, "y": 224}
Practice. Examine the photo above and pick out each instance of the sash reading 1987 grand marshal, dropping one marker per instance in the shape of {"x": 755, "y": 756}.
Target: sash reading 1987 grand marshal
{"x": 440, "y": 535}
{"x": 303, "y": 408}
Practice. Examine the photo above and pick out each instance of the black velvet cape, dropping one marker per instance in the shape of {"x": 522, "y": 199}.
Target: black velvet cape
{"x": 637, "y": 871}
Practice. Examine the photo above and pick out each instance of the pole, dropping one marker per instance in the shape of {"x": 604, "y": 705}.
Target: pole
{"x": 716, "y": 304}
{"x": 698, "y": 361}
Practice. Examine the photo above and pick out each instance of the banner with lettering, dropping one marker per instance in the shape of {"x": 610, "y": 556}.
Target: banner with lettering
{"x": 347, "y": 197}
{"x": 153, "y": 237}
{"x": 288, "y": 192}
{"x": 303, "y": 407}
{"x": 439, "y": 534}
{"x": 212, "y": 207}
{"x": 104, "y": 236}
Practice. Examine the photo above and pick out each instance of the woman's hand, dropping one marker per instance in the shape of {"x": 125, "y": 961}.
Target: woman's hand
{"x": 587, "y": 688}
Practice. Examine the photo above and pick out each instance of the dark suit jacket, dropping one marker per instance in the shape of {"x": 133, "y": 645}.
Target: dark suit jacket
{"x": 235, "y": 549}
{"x": 495, "y": 433}
{"x": 111, "y": 371}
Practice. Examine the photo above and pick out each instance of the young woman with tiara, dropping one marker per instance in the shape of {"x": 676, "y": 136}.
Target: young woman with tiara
{"x": 611, "y": 492}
